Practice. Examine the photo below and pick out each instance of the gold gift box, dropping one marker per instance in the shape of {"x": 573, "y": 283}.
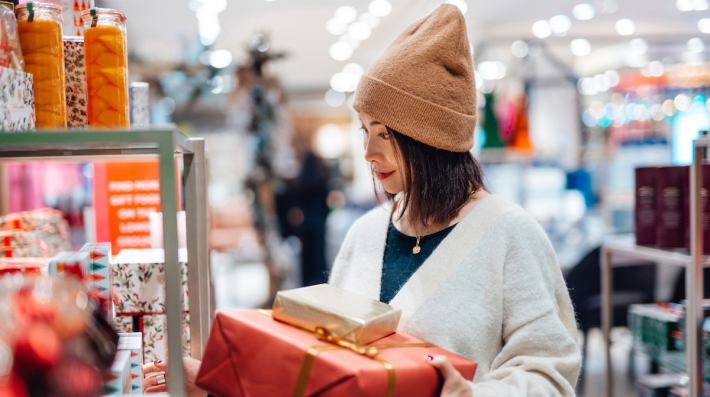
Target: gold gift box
{"x": 349, "y": 316}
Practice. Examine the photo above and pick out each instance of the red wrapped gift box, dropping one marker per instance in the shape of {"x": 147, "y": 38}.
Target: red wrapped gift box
{"x": 250, "y": 354}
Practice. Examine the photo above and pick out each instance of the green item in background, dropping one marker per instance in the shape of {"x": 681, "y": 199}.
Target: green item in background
{"x": 490, "y": 125}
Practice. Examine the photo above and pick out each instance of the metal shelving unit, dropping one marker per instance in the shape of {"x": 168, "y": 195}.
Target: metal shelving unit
{"x": 693, "y": 263}
{"x": 165, "y": 145}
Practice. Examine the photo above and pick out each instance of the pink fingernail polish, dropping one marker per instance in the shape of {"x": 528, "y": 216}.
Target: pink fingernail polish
{"x": 429, "y": 358}
{"x": 158, "y": 361}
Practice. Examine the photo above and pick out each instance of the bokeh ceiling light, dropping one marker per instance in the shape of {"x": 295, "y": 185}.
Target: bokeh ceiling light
{"x": 692, "y": 5}
{"x": 220, "y": 59}
{"x": 696, "y": 45}
{"x": 344, "y": 81}
{"x": 655, "y": 68}
{"x": 541, "y": 29}
{"x": 583, "y": 11}
{"x": 638, "y": 46}
{"x": 519, "y": 48}
{"x": 369, "y": 19}
{"x": 684, "y": 5}
{"x": 580, "y": 47}
{"x": 336, "y": 27}
{"x": 682, "y": 102}
{"x": 560, "y": 24}
{"x": 461, "y": 4}
{"x": 625, "y": 27}
{"x": 359, "y": 31}
{"x": 704, "y": 25}
{"x": 346, "y": 14}
{"x": 612, "y": 77}
{"x": 331, "y": 141}
{"x": 354, "y": 68}
{"x": 334, "y": 98}
{"x": 341, "y": 51}
{"x": 346, "y": 38}
{"x": 586, "y": 86}
{"x": 492, "y": 70}
{"x": 380, "y": 8}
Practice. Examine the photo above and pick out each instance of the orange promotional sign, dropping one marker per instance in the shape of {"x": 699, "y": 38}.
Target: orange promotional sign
{"x": 125, "y": 194}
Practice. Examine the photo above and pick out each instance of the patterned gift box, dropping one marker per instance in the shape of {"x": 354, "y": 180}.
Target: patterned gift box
{"x": 69, "y": 263}
{"x": 75, "y": 78}
{"x": 123, "y": 324}
{"x": 133, "y": 342}
{"x": 155, "y": 341}
{"x": 20, "y": 244}
{"x": 100, "y": 278}
{"x": 140, "y": 105}
{"x": 139, "y": 280}
{"x": 118, "y": 378}
{"x": 48, "y": 233}
{"x": 17, "y": 104}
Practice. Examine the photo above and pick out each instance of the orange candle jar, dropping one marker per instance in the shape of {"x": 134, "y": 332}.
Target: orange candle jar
{"x": 106, "y": 61}
{"x": 39, "y": 26}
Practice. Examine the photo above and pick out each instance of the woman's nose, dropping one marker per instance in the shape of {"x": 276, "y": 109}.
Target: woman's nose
{"x": 370, "y": 151}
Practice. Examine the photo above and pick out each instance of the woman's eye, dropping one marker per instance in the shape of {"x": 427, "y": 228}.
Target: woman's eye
{"x": 385, "y": 135}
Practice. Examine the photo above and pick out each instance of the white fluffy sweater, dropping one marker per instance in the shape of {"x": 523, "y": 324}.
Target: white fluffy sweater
{"x": 492, "y": 291}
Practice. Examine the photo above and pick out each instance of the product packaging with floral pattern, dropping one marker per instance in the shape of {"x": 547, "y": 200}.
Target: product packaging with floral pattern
{"x": 17, "y": 104}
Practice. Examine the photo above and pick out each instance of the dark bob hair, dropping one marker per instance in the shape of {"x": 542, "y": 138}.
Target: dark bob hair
{"x": 437, "y": 183}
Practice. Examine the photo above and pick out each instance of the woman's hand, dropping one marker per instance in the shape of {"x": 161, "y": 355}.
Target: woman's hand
{"x": 153, "y": 384}
{"x": 455, "y": 385}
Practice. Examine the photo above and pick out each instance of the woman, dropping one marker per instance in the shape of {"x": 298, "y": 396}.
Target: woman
{"x": 473, "y": 273}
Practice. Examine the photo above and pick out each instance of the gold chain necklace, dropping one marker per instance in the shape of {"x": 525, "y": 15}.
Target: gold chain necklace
{"x": 417, "y": 249}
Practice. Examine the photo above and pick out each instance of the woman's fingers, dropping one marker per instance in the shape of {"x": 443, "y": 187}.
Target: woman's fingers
{"x": 444, "y": 366}
{"x": 157, "y": 389}
{"x": 155, "y": 366}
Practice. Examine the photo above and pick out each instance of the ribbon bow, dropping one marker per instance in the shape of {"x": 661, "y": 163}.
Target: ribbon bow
{"x": 326, "y": 335}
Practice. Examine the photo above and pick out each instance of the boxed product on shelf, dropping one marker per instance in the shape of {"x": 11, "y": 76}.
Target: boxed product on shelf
{"x": 71, "y": 264}
{"x": 659, "y": 385}
{"x": 139, "y": 280}
{"x": 645, "y": 205}
{"x": 140, "y": 105}
{"x": 75, "y": 76}
{"x": 45, "y": 230}
{"x": 17, "y": 102}
{"x": 20, "y": 244}
{"x": 670, "y": 206}
{"x": 30, "y": 266}
{"x": 654, "y": 326}
{"x": 155, "y": 341}
{"x": 133, "y": 343}
{"x": 101, "y": 274}
{"x": 118, "y": 378}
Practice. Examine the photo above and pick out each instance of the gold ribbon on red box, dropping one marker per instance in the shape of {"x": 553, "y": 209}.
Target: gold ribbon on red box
{"x": 336, "y": 344}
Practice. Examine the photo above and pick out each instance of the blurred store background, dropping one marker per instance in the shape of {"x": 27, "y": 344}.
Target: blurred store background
{"x": 572, "y": 98}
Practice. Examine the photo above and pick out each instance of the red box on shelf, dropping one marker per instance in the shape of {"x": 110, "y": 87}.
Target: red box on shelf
{"x": 670, "y": 207}
{"x": 251, "y": 354}
{"x": 645, "y": 205}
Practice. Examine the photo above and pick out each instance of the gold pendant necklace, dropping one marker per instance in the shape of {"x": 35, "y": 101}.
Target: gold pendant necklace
{"x": 417, "y": 249}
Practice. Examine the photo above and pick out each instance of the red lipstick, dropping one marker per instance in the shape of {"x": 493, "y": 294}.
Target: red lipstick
{"x": 383, "y": 175}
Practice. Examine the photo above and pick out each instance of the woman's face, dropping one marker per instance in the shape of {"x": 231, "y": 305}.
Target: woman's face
{"x": 379, "y": 151}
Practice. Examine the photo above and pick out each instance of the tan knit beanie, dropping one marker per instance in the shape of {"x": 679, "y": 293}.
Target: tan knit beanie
{"x": 423, "y": 85}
